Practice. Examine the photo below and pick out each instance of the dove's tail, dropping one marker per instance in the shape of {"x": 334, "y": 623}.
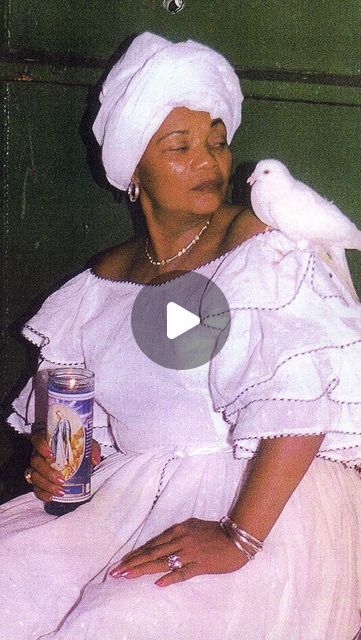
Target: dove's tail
{"x": 336, "y": 258}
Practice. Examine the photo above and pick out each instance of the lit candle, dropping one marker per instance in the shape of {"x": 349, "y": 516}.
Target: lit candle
{"x": 69, "y": 433}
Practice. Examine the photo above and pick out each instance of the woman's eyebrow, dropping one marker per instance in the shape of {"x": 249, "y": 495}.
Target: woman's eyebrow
{"x": 214, "y": 123}
{"x": 172, "y": 132}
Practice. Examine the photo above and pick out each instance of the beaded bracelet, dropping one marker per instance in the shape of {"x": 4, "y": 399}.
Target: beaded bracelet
{"x": 240, "y": 537}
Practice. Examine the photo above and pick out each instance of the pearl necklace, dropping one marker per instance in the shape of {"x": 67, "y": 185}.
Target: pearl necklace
{"x": 158, "y": 263}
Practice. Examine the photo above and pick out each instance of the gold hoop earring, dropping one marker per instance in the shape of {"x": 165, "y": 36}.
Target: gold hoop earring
{"x": 133, "y": 191}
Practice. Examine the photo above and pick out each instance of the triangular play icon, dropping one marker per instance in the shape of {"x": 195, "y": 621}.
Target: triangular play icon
{"x": 179, "y": 320}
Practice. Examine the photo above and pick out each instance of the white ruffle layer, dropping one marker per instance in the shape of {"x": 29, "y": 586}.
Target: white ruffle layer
{"x": 55, "y": 330}
{"x": 291, "y": 364}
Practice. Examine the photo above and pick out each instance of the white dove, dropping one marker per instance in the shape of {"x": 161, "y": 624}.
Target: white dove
{"x": 305, "y": 217}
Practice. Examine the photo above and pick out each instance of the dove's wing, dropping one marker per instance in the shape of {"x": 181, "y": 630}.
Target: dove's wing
{"x": 263, "y": 206}
{"x": 303, "y": 215}
{"x": 319, "y": 220}
{"x": 336, "y": 259}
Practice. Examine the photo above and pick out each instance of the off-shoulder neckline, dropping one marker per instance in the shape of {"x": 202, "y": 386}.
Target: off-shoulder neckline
{"x": 182, "y": 275}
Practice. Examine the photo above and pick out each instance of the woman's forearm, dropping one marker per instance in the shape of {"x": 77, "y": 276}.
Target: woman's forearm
{"x": 276, "y": 470}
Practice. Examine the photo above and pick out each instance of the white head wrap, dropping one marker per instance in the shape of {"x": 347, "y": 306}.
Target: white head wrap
{"x": 152, "y": 78}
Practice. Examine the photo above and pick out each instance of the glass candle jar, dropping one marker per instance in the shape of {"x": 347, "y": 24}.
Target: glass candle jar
{"x": 69, "y": 434}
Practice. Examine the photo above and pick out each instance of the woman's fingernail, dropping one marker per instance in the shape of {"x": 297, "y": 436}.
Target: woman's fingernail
{"x": 59, "y": 492}
{"x": 60, "y": 479}
{"x": 117, "y": 573}
{"x": 114, "y": 573}
{"x": 160, "y": 582}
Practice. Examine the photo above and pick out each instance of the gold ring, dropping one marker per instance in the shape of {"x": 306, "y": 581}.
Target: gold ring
{"x": 27, "y": 475}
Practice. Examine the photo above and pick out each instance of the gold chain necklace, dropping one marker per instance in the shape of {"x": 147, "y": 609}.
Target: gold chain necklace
{"x": 158, "y": 263}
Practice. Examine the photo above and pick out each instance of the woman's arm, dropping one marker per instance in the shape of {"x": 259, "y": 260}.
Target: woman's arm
{"x": 276, "y": 471}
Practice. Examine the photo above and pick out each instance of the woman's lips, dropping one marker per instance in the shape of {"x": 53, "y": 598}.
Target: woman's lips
{"x": 208, "y": 185}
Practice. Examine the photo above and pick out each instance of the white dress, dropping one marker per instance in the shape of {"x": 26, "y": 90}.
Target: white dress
{"x": 177, "y": 444}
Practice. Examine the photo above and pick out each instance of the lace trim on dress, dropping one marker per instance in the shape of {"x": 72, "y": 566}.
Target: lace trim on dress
{"x": 241, "y": 452}
{"x": 161, "y": 482}
{"x": 295, "y": 387}
{"x": 103, "y": 435}
{"x": 45, "y": 341}
{"x": 334, "y": 434}
{"x": 309, "y": 271}
{"x": 18, "y": 422}
{"x": 334, "y": 382}
{"x": 222, "y": 257}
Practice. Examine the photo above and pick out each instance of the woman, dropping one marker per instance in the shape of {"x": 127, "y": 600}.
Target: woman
{"x": 148, "y": 557}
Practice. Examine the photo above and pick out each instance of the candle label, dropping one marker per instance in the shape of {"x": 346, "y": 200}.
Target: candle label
{"x": 69, "y": 430}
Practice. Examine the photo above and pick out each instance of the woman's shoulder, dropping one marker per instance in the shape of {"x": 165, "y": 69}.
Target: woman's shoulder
{"x": 243, "y": 225}
{"x": 114, "y": 262}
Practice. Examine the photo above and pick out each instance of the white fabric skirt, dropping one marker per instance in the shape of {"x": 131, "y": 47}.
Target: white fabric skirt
{"x": 305, "y": 585}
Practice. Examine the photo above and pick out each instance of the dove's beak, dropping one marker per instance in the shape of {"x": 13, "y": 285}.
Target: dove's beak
{"x": 252, "y": 179}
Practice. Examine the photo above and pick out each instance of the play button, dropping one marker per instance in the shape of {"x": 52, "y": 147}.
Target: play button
{"x": 181, "y": 323}
{"x": 179, "y": 320}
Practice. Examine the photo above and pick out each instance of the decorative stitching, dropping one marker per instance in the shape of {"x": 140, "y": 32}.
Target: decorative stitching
{"x": 309, "y": 268}
{"x": 284, "y": 435}
{"x": 103, "y": 444}
{"x": 65, "y": 364}
{"x": 321, "y": 295}
{"x": 332, "y": 385}
{"x": 328, "y": 388}
{"x": 351, "y": 462}
{"x": 18, "y": 428}
{"x": 161, "y": 480}
{"x": 45, "y": 342}
{"x": 282, "y": 306}
{"x": 295, "y": 355}
{"x": 205, "y": 264}
{"x": 37, "y": 333}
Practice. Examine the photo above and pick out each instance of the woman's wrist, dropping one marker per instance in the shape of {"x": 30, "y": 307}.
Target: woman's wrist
{"x": 248, "y": 544}
{"x": 275, "y": 473}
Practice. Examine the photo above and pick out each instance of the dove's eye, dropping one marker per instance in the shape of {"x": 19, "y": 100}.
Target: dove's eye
{"x": 266, "y": 171}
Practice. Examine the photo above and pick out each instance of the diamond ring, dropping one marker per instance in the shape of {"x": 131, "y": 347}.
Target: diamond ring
{"x": 27, "y": 475}
{"x": 174, "y": 561}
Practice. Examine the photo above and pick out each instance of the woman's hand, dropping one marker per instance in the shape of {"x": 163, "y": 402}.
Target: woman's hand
{"x": 48, "y": 482}
{"x": 96, "y": 453}
{"x": 201, "y": 545}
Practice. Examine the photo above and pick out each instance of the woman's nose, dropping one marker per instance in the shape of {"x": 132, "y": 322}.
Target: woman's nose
{"x": 204, "y": 156}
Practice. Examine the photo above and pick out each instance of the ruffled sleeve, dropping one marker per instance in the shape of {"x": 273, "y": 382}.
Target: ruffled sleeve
{"x": 292, "y": 361}
{"x": 57, "y": 330}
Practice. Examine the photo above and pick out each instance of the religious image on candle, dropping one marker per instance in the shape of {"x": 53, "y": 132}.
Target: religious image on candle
{"x": 66, "y": 438}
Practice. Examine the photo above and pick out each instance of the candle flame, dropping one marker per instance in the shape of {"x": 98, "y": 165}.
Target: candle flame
{"x": 72, "y": 383}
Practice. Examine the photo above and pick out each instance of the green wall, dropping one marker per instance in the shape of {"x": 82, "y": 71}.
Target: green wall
{"x": 299, "y": 65}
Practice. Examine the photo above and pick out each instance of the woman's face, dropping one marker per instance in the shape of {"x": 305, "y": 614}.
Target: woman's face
{"x": 186, "y": 165}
